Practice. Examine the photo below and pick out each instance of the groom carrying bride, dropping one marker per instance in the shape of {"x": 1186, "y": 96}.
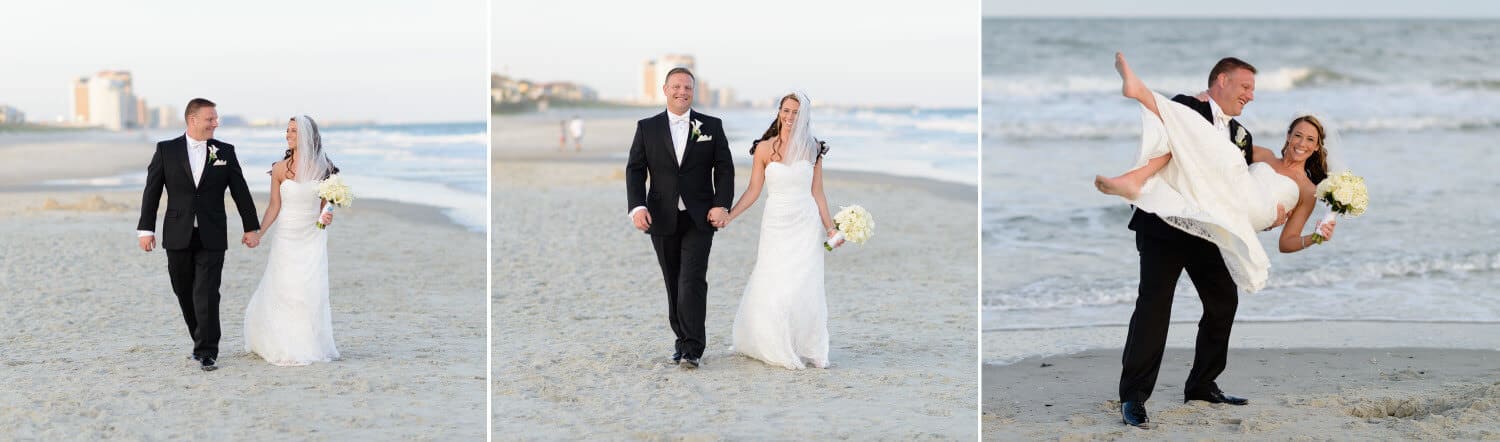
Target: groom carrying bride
{"x": 685, "y": 156}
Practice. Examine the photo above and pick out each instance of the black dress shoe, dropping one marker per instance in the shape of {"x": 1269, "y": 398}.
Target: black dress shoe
{"x": 1134, "y": 413}
{"x": 207, "y": 364}
{"x": 677, "y": 357}
{"x": 1217, "y": 397}
{"x": 690, "y": 363}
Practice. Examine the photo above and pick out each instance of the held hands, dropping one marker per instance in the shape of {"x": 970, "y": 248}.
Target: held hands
{"x": 718, "y": 217}
{"x": 147, "y": 243}
{"x": 251, "y": 239}
{"x": 642, "y": 219}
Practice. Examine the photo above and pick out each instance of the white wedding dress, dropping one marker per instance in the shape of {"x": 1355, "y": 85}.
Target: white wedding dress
{"x": 1207, "y": 190}
{"x": 783, "y": 315}
{"x": 288, "y": 320}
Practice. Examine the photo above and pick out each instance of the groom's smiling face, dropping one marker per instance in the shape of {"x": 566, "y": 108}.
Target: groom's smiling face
{"x": 679, "y": 92}
{"x": 1233, "y": 91}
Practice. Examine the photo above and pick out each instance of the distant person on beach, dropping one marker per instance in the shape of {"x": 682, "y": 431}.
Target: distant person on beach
{"x": 562, "y": 135}
{"x": 575, "y": 130}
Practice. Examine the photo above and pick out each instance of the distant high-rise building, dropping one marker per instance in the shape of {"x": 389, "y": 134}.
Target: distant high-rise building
{"x": 107, "y": 99}
{"x": 11, "y": 115}
{"x": 649, "y": 83}
{"x": 726, "y": 97}
{"x": 165, "y": 117}
{"x": 142, "y": 113}
{"x": 80, "y": 101}
{"x": 653, "y": 75}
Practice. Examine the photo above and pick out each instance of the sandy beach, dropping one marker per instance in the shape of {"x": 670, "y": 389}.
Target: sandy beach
{"x": 1305, "y": 381}
{"x": 582, "y": 346}
{"x": 94, "y": 346}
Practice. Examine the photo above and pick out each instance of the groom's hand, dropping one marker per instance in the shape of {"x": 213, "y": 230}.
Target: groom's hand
{"x": 148, "y": 243}
{"x": 642, "y": 219}
{"x": 718, "y": 217}
{"x": 1281, "y": 216}
{"x": 251, "y": 239}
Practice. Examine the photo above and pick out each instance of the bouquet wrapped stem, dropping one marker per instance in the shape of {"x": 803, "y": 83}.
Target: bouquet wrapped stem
{"x": 333, "y": 190}
{"x": 1345, "y": 194}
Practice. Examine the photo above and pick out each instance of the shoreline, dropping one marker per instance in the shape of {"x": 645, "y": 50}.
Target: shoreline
{"x": 427, "y": 215}
{"x": 1008, "y": 347}
{"x": 1254, "y": 321}
{"x": 949, "y": 190}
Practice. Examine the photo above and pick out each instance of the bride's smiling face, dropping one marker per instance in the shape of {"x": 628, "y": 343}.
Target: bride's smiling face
{"x": 291, "y": 134}
{"x": 788, "y": 113}
{"x": 1301, "y": 142}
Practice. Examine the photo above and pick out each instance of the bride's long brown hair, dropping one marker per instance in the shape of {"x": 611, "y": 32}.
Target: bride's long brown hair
{"x": 775, "y": 129}
{"x": 1316, "y": 166}
{"x": 291, "y": 161}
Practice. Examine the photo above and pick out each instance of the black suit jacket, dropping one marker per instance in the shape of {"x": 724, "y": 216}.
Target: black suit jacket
{"x": 704, "y": 180}
{"x": 169, "y": 170}
{"x": 1149, "y": 224}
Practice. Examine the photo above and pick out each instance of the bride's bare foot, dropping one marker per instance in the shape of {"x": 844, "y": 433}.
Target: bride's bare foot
{"x": 1131, "y": 86}
{"x": 1120, "y": 186}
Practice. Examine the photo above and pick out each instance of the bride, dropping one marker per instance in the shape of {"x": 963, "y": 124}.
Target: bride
{"x": 1196, "y": 180}
{"x": 783, "y": 315}
{"x": 287, "y": 321}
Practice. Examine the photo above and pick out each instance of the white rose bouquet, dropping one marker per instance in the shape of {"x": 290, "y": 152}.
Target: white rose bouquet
{"x": 333, "y": 190}
{"x": 854, "y": 224}
{"x": 1345, "y": 194}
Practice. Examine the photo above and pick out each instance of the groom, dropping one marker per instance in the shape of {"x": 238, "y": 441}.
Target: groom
{"x": 686, "y": 157}
{"x": 195, "y": 169}
{"x": 1166, "y": 251}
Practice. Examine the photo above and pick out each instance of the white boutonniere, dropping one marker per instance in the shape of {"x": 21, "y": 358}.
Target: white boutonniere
{"x": 213, "y": 154}
{"x": 698, "y": 135}
{"x": 1239, "y": 136}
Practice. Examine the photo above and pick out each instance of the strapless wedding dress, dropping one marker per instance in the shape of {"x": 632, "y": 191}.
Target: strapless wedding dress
{"x": 288, "y": 320}
{"x": 1207, "y": 190}
{"x": 783, "y": 315}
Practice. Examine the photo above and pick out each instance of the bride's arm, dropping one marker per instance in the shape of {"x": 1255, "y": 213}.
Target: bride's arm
{"x": 274, "y": 207}
{"x": 817, "y": 194}
{"x": 757, "y": 179}
{"x": 1292, "y": 239}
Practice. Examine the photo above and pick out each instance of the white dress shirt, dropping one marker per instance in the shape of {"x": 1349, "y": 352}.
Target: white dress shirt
{"x": 1221, "y": 121}
{"x": 197, "y": 153}
{"x": 681, "y": 126}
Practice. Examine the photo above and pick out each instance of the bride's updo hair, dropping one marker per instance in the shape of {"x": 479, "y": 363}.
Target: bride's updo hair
{"x": 775, "y": 129}
{"x": 1317, "y": 164}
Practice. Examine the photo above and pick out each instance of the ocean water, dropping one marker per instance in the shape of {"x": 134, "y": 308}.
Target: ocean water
{"x": 1415, "y": 106}
{"x": 442, "y": 165}
{"x": 936, "y": 144}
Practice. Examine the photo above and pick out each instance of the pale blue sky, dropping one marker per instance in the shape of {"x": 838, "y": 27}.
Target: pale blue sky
{"x": 884, "y": 52}
{"x": 1258, "y": 8}
{"x": 384, "y": 60}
